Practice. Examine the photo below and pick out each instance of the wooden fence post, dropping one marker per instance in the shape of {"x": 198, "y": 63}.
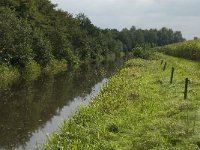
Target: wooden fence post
{"x": 165, "y": 66}
{"x": 172, "y": 75}
{"x": 186, "y": 88}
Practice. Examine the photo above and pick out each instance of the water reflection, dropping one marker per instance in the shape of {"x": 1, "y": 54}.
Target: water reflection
{"x": 28, "y": 111}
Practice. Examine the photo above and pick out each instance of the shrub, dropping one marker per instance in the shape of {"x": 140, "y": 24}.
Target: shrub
{"x": 31, "y": 70}
{"x": 42, "y": 48}
{"x": 55, "y": 66}
{"x": 141, "y": 52}
{"x": 8, "y": 75}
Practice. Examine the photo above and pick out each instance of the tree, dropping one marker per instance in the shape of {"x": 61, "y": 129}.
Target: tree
{"x": 35, "y": 30}
{"x": 15, "y": 39}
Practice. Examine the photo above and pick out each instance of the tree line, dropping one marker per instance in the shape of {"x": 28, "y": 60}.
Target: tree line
{"x": 36, "y": 31}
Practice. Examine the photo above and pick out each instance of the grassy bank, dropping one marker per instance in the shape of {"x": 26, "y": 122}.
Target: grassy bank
{"x": 138, "y": 110}
{"x": 188, "y": 49}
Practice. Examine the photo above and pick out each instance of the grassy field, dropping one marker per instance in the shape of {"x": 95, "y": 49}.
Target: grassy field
{"x": 188, "y": 49}
{"x": 139, "y": 110}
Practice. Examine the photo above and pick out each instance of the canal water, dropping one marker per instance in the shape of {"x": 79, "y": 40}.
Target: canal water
{"x": 31, "y": 111}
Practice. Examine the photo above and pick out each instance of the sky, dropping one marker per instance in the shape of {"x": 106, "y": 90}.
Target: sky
{"x": 179, "y": 15}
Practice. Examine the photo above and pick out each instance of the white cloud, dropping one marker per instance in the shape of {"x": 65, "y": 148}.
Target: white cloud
{"x": 181, "y": 15}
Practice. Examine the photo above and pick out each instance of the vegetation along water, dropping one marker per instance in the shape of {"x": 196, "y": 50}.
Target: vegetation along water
{"x": 36, "y": 37}
{"x": 139, "y": 109}
{"x": 29, "y": 111}
{"x": 52, "y": 62}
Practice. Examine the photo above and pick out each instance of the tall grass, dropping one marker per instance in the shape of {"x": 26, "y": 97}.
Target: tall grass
{"x": 138, "y": 110}
{"x": 188, "y": 50}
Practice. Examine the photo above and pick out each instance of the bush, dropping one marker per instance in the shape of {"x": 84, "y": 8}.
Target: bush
{"x": 31, "y": 70}
{"x": 42, "y": 48}
{"x": 141, "y": 52}
{"x": 8, "y": 75}
{"x": 55, "y": 66}
{"x": 72, "y": 59}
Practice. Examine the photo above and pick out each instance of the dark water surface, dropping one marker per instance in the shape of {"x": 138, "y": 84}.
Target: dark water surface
{"x": 31, "y": 111}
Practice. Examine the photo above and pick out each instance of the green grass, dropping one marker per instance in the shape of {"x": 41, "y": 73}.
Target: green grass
{"x": 138, "y": 110}
{"x": 188, "y": 49}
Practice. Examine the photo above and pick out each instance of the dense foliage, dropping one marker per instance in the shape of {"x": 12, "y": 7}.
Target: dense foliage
{"x": 36, "y": 32}
{"x": 188, "y": 50}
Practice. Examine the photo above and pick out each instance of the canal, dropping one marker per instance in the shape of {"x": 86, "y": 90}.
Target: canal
{"x": 31, "y": 111}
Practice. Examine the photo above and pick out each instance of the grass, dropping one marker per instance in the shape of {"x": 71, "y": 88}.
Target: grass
{"x": 188, "y": 49}
{"x": 138, "y": 110}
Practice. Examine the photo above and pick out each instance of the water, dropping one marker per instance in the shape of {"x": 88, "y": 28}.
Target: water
{"x": 31, "y": 111}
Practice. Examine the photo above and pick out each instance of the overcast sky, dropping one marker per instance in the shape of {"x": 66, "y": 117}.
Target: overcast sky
{"x": 182, "y": 15}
